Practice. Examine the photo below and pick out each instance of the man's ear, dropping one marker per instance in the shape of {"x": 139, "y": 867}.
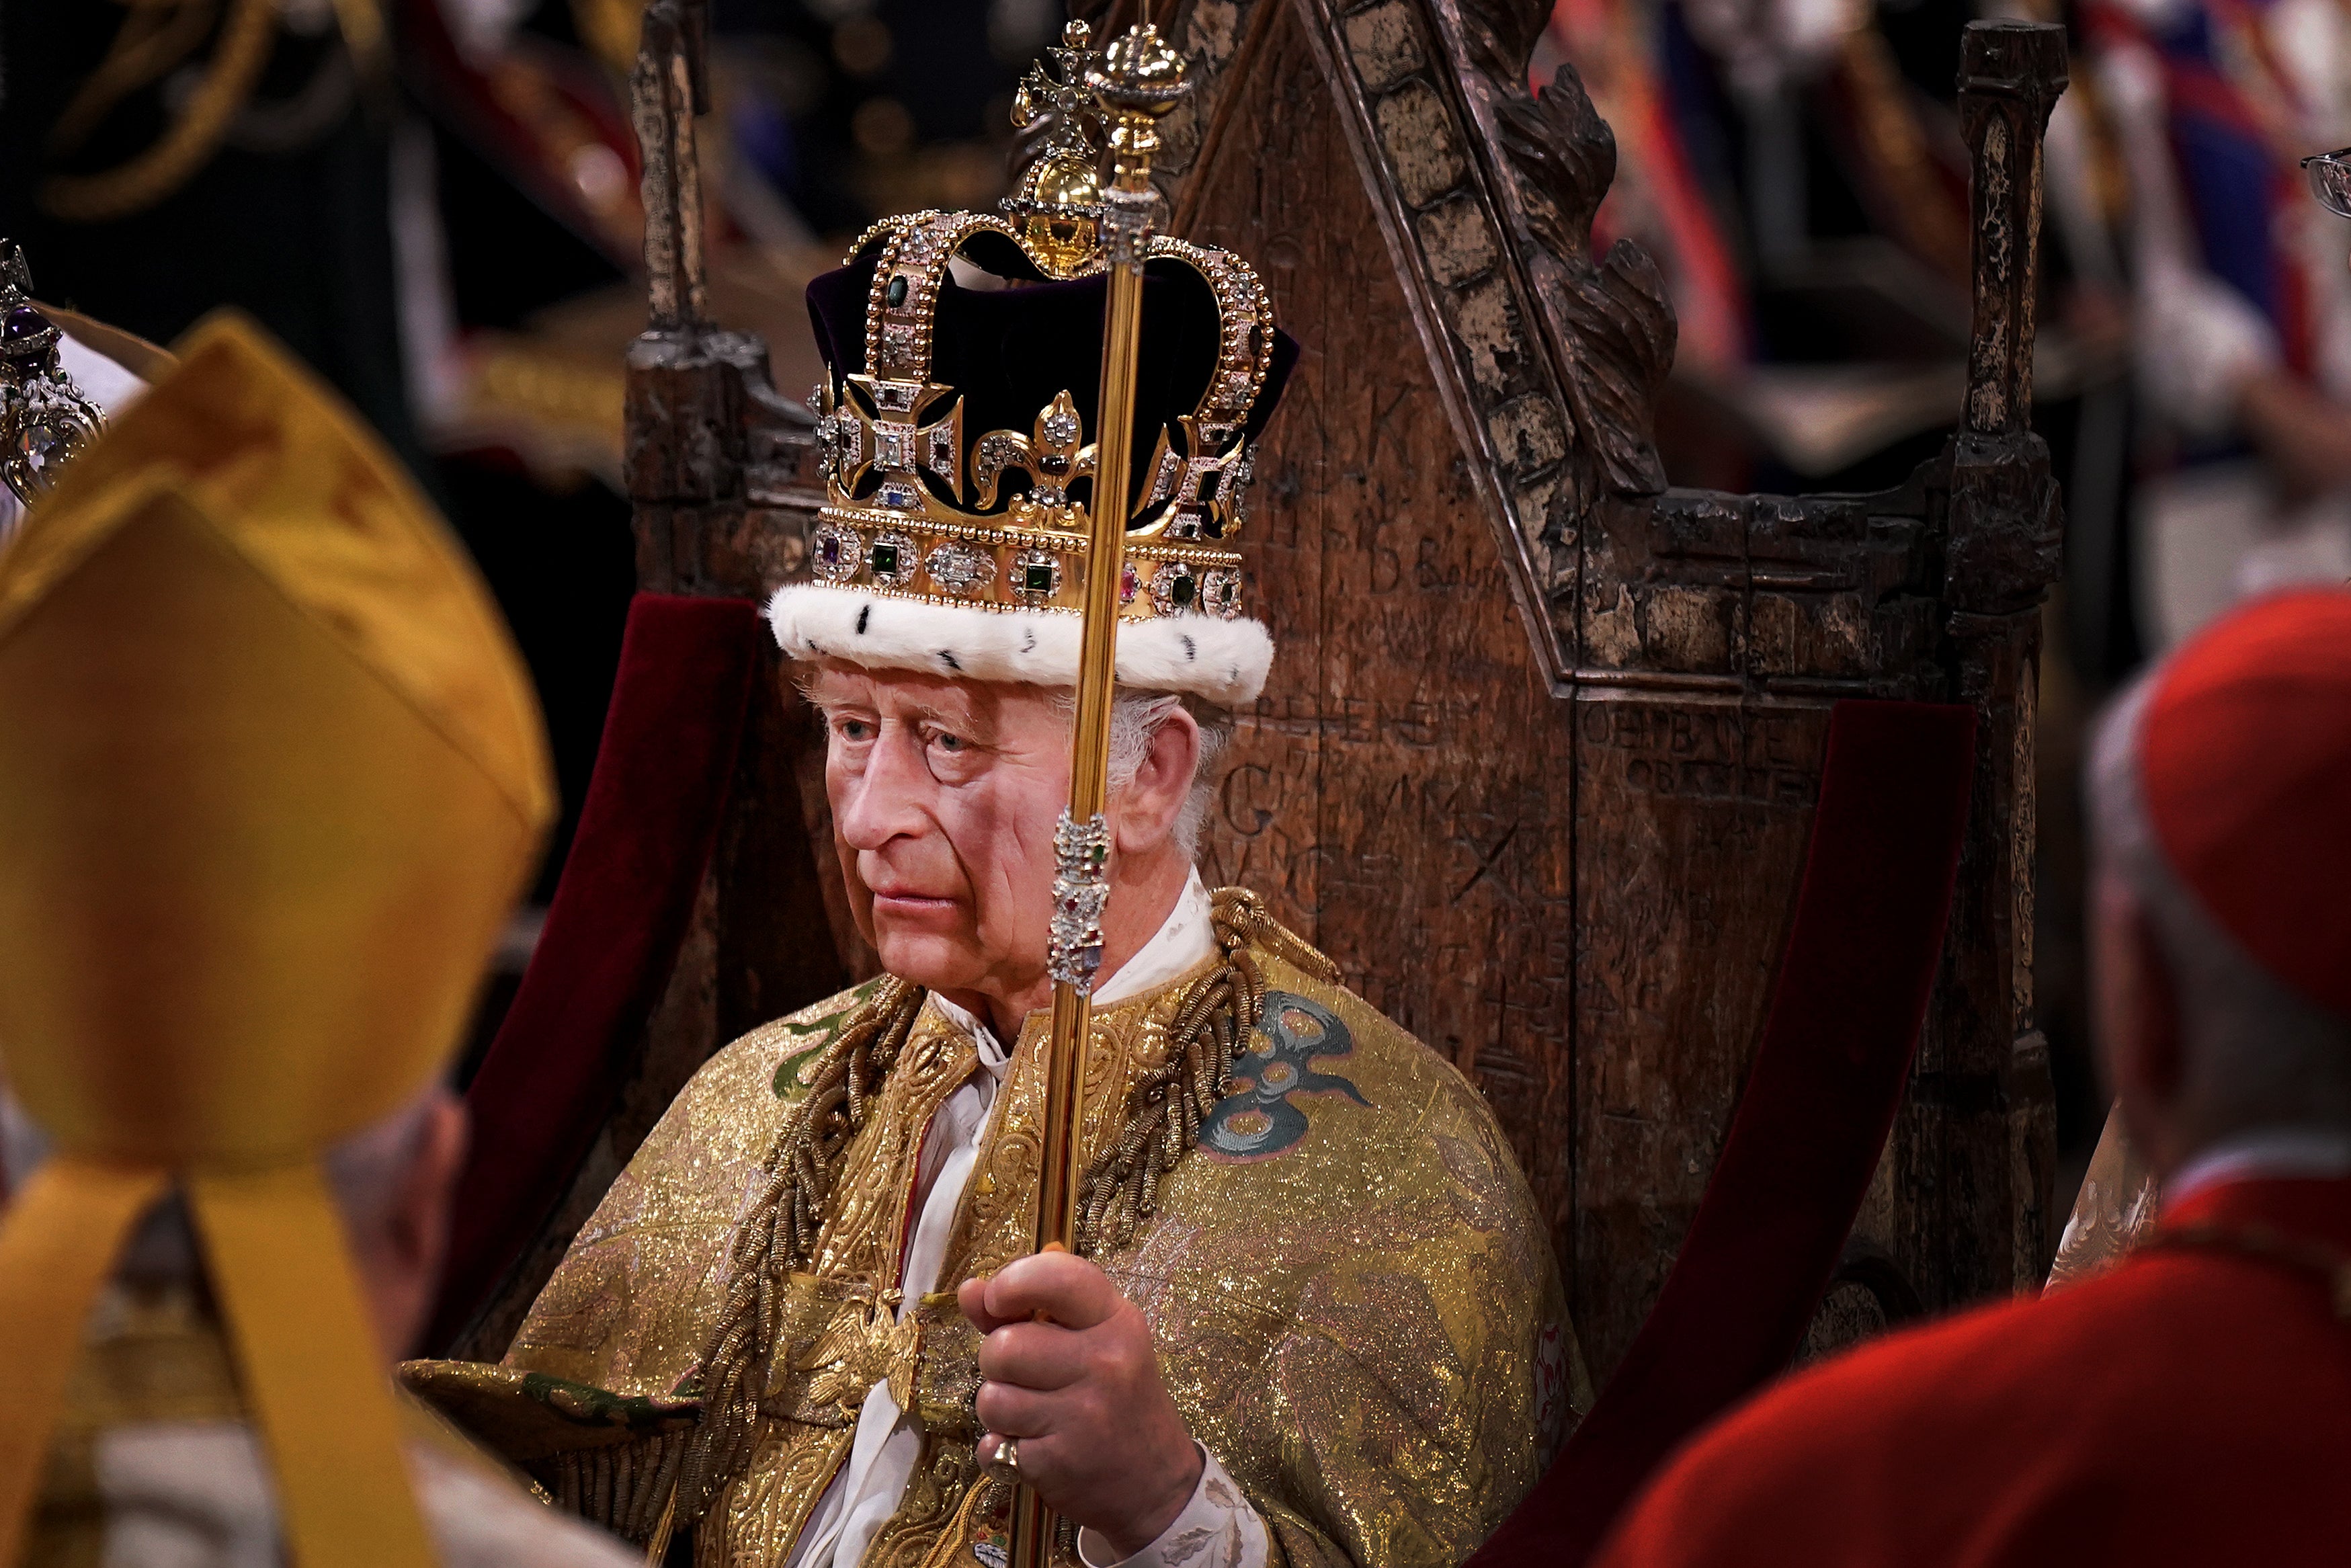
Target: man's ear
{"x": 2139, "y": 1026}
{"x": 1146, "y": 810}
{"x": 414, "y": 1235}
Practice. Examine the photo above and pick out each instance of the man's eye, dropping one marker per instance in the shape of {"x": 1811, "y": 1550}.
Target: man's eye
{"x": 854, "y": 729}
{"x": 947, "y": 742}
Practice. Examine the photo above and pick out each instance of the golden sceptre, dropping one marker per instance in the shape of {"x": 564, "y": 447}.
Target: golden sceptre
{"x": 1138, "y": 79}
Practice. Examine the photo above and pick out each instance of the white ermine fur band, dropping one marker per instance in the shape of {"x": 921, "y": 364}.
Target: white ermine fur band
{"x": 1218, "y": 660}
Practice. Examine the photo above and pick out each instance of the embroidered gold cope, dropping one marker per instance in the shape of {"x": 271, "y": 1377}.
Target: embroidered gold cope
{"x": 1356, "y": 1303}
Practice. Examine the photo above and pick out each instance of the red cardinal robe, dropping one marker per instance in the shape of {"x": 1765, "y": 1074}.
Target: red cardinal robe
{"x": 2187, "y": 1407}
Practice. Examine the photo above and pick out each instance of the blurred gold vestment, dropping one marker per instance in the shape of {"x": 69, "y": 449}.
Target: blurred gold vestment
{"x": 2115, "y": 1207}
{"x": 274, "y": 777}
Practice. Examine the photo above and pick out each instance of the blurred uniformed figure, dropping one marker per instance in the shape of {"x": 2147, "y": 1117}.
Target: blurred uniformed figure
{"x": 2196, "y": 112}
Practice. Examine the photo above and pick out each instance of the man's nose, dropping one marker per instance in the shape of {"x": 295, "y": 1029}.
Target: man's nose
{"x": 884, "y": 800}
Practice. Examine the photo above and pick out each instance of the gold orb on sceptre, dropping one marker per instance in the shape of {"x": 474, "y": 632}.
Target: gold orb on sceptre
{"x": 1139, "y": 74}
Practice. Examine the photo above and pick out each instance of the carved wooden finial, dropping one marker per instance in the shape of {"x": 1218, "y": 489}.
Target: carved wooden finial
{"x": 666, "y": 91}
{"x": 2011, "y": 74}
{"x": 1614, "y": 317}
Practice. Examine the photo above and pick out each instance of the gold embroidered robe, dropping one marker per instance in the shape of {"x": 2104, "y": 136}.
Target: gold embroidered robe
{"x": 1356, "y": 1302}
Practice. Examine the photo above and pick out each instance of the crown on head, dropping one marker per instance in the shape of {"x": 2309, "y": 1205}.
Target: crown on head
{"x": 927, "y": 497}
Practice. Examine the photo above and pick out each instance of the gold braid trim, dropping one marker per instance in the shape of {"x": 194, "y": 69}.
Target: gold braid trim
{"x": 781, "y": 1233}
{"x": 1168, "y": 1103}
{"x": 1121, "y": 1186}
{"x": 152, "y": 41}
{"x": 949, "y": 1545}
{"x": 623, "y": 1487}
{"x": 133, "y": 186}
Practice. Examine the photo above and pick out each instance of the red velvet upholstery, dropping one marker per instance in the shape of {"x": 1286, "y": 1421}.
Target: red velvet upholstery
{"x": 646, "y": 832}
{"x": 1819, "y": 1102}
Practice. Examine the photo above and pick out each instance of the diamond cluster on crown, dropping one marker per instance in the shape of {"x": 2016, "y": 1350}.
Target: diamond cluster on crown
{"x": 914, "y": 508}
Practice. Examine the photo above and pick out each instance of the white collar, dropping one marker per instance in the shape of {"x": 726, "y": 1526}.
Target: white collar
{"x": 1183, "y": 939}
{"x": 2268, "y": 1152}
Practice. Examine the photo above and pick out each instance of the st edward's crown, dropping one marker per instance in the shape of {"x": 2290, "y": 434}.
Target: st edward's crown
{"x": 987, "y": 323}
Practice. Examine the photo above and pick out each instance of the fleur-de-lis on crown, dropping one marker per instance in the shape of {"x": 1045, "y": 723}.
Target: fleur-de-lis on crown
{"x": 1050, "y": 456}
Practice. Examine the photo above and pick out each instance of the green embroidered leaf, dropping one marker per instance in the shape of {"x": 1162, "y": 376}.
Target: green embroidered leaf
{"x": 600, "y": 1406}
{"x": 826, "y": 1030}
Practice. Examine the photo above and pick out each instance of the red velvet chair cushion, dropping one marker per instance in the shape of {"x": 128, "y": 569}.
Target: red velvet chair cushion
{"x": 646, "y": 832}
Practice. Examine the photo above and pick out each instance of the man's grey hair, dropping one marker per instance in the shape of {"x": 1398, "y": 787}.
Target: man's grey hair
{"x": 2259, "y": 1053}
{"x": 1136, "y": 720}
{"x": 365, "y": 1172}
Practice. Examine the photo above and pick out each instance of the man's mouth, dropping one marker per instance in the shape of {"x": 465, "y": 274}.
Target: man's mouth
{"x": 908, "y": 901}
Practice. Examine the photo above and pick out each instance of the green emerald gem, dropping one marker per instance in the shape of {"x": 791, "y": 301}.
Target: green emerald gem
{"x": 1038, "y": 578}
{"x": 885, "y": 561}
{"x": 897, "y": 291}
{"x": 1182, "y": 589}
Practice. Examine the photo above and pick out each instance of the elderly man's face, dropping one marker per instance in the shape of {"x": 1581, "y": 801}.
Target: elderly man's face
{"x": 944, "y": 795}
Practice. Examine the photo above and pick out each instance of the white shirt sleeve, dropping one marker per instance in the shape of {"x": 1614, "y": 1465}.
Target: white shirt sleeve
{"x": 1217, "y": 1528}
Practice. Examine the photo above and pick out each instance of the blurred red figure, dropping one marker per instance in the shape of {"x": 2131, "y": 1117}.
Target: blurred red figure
{"x": 2194, "y": 1404}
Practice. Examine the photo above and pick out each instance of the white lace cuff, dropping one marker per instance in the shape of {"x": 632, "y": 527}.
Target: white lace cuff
{"x": 1217, "y": 1528}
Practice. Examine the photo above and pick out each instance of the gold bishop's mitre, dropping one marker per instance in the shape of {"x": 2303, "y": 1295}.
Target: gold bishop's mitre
{"x": 273, "y": 775}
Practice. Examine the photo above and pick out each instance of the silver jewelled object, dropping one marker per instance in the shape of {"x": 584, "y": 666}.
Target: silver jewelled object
{"x": 45, "y": 419}
{"x": 1080, "y": 893}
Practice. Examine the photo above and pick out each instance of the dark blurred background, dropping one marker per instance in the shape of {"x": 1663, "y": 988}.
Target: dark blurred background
{"x": 434, "y": 203}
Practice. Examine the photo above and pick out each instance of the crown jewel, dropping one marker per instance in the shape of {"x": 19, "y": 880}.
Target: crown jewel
{"x": 920, "y": 504}
{"x": 45, "y": 419}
